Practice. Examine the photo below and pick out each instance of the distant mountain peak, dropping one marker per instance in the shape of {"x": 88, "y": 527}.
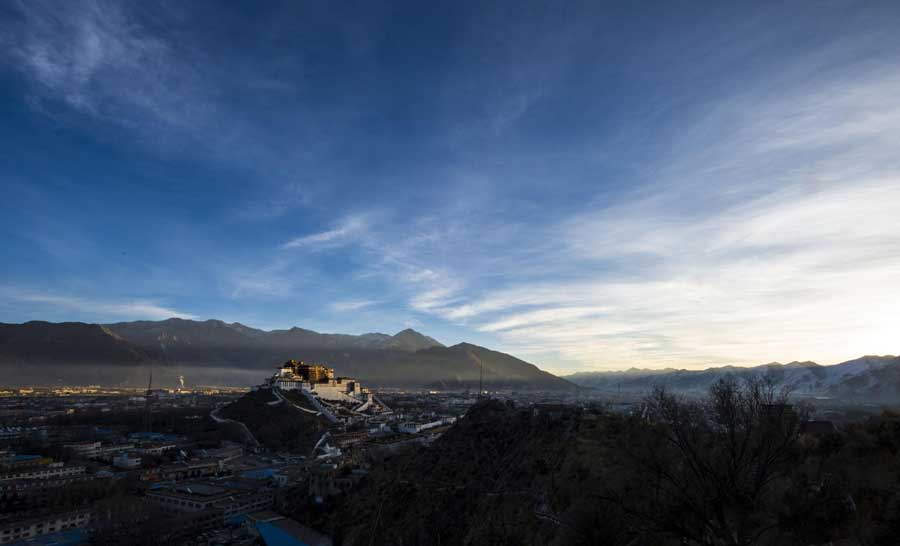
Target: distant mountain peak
{"x": 411, "y": 340}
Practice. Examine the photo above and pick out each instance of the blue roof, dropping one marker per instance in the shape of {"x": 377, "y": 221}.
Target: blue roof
{"x": 237, "y": 520}
{"x": 152, "y": 436}
{"x": 258, "y": 474}
{"x": 24, "y": 457}
{"x": 70, "y": 537}
{"x": 273, "y": 536}
{"x": 287, "y": 532}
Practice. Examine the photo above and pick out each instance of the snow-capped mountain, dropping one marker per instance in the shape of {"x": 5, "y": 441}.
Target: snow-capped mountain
{"x": 869, "y": 377}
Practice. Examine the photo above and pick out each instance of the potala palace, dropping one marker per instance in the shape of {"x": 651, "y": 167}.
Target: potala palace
{"x": 320, "y": 381}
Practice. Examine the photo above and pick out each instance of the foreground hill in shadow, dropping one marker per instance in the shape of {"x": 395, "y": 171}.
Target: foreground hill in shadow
{"x": 486, "y": 481}
{"x": 736, "y": 468}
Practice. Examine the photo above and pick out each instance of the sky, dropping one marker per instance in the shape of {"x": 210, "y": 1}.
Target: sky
{"x": 585, "y": 185}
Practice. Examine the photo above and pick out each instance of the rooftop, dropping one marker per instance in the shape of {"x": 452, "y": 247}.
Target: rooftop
{"x": 200, "y": 489}
{"x": 69, "y": 537}
{"x": 287, "y": 532}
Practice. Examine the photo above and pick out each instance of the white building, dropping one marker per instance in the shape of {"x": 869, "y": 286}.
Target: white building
{"x": 415, "y": 428}
{"x": 127, "y": 461}
{"x": 45, "y": 472}
{"x": 21, "y": 530}
{"x": 88, "y": 450}
{"x": 155, "y": 449}
{"x": 10, "y": 433}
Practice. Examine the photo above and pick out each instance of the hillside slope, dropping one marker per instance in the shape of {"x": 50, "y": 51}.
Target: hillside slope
{"x": 278, "y": 426}
{"x": 583, "y": 477}
{"x": 485, "y": 481}
{"x": 43, "y": 352}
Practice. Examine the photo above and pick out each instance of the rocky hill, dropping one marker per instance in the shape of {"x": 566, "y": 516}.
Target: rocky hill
{"x": 277, "y": 425}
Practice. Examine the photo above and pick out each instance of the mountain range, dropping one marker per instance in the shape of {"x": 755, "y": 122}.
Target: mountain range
{"x": 214, "y": 352}
{"x": 869, "y": 378}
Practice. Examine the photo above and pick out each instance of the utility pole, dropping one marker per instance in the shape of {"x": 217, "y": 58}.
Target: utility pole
{"x": 480, "y": 378}
{"x": 475, "y": 357}
{"x": 147, "y": 409}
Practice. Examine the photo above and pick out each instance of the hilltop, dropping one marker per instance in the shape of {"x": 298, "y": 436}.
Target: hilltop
{"x": 277, "y": 425}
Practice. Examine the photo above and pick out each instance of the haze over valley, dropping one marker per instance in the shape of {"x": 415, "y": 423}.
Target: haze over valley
{"x": 217, "y": 353}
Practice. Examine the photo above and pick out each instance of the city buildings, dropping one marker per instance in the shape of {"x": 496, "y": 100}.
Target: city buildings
{"x": 202, "y": 479}
{"x": 42, "y": 472}
{"x": 15, "y": 531}
{"x": 127, "y": 461}
{"x": 276, "y": 530}
{"x": 415, "y": 428}
{"x": 223, "y": 498}
{"x": 87, "y": 450}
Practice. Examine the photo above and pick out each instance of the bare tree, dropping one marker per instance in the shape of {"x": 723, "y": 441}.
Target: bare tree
{"x": 712, "y": 467}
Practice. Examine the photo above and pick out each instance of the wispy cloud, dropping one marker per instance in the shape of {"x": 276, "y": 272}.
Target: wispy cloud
{"x": 99, "y": 60}
{"x": 767, "y": 233}
{"x": 351, "y": 305}
{"x": 260, "y": 284}
{"x": 277, "y": 278}
{"x": 120, "y": 68}
{"x": 797, "y": 273}
{"x": 770, "y": 235}
{"x": 344, "y": 232}
{"x": 549, "y": 315}
{"x": 281, "y": 272}
{"x": 133, "y": 309}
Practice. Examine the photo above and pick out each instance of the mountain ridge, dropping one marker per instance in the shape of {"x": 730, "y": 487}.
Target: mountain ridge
{"x": 214, "y": 352}
{"x": 407, "y": 339}
{"x": 868, "y": 377}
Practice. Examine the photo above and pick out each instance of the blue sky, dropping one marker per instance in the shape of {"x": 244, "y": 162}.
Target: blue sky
{"x": 585, "y": 185}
